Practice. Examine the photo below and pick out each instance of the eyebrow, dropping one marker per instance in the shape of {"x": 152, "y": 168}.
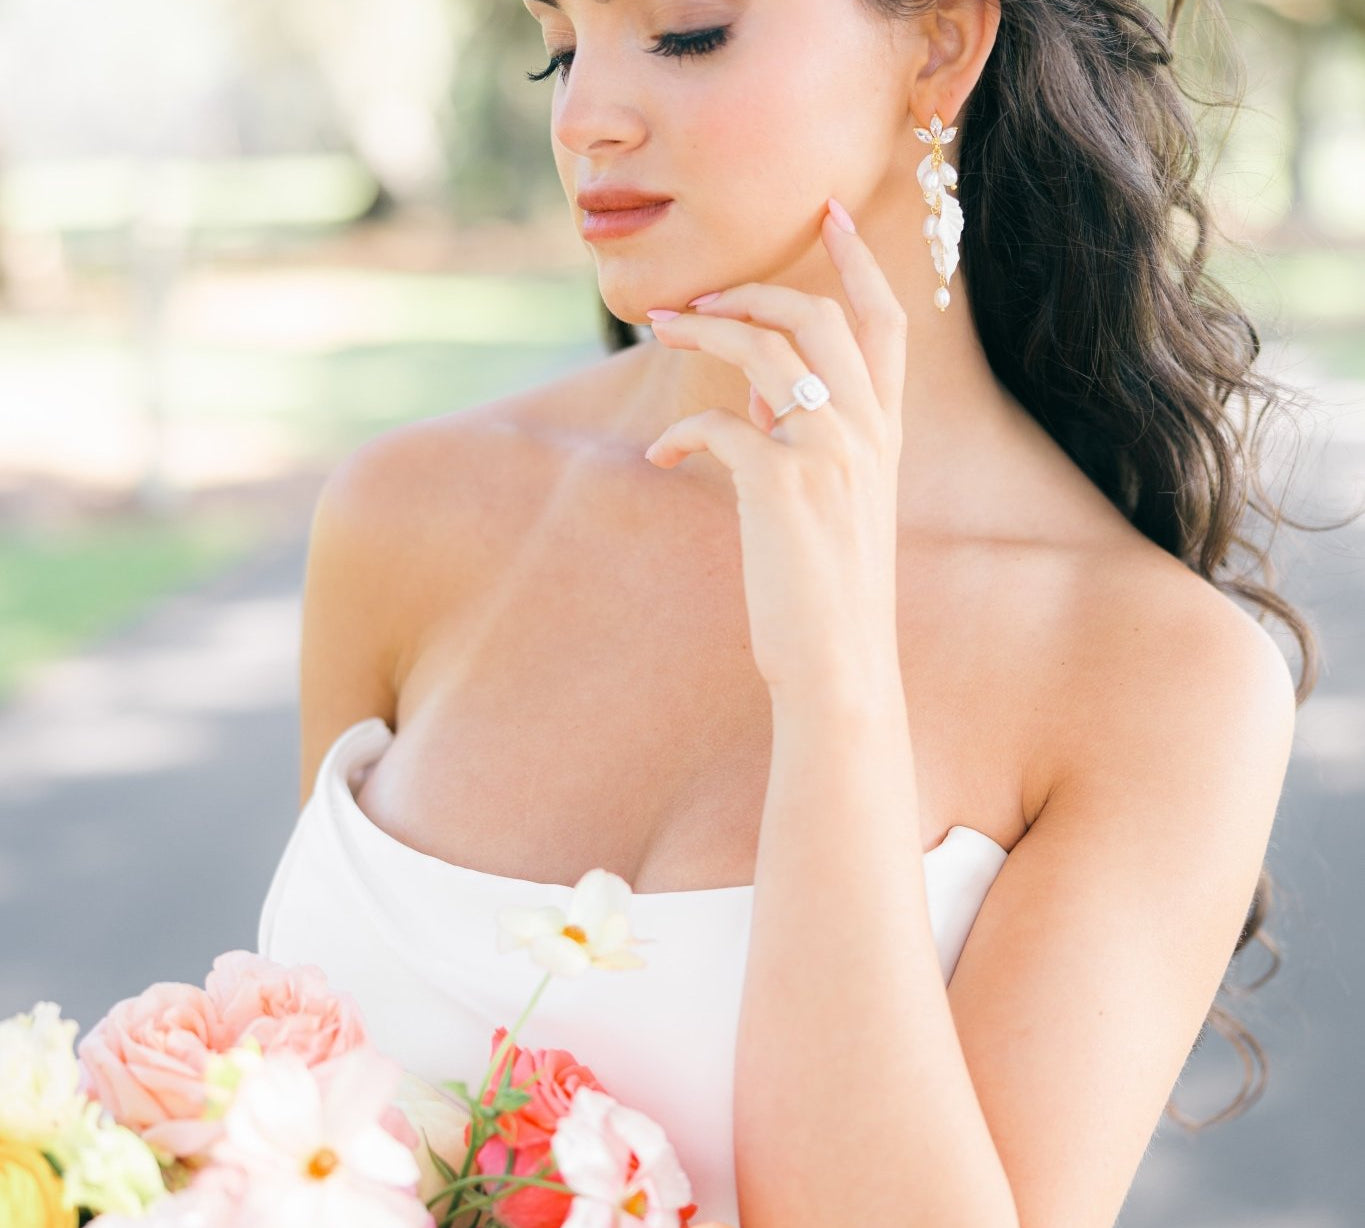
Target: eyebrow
{"x": 554, "y": 4}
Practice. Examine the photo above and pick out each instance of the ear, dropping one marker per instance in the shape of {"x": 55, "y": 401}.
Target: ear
{"x": 958, "y": 36}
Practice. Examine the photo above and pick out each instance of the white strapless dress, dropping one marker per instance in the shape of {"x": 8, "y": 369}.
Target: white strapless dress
{"x": 413, "y": 939}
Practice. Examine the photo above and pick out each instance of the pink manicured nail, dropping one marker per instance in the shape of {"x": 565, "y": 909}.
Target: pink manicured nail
{"x": 662, "y": 313}
{"x": 705, "y": 298}
{"x": 840, "y": 216}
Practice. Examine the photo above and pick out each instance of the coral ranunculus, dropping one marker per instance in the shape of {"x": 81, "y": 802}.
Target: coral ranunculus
{"x": 557, "y": 1074}
{"x": 527, "y": 1206}
{"x": 30, "y": 1191}
{"x": 550, "y": 1077}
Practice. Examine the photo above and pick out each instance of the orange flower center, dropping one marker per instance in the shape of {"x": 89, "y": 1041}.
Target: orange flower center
{"x": 635, "y": 1205}
{"x": 323, "y": 1163}
{"x": 577, "y": 933}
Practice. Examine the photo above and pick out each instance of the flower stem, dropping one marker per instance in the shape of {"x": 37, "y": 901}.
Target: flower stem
{"x": 511, "y": 1036}
{"x": 466, "y": 1182}
{"x": 476, "y": 1138}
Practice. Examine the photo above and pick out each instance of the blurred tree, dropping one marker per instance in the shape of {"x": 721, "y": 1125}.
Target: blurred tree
{"x": 1302, "y": 30}
{"x": 388, "y": 69}
{"x": 431, "y": 94}
{"x": 500, "y": 152}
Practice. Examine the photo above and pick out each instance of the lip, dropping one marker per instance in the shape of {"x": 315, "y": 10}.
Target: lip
{"x": 609, "y": 197}
{"x": 614, "y": 223}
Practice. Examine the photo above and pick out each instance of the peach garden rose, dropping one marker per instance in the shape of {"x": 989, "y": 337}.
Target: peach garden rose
{"x": 145, "y": 1062}
{"x": 286, "y": 1009}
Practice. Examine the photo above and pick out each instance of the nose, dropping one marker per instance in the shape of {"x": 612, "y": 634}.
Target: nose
{"x": 598, "y": 105}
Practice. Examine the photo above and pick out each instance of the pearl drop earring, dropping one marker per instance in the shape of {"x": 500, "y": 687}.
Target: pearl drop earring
{"x": 943, "y": 227}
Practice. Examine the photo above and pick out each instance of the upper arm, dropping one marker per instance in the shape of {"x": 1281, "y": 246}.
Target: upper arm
{"x": 350, "y": 634}
{"x": 1099, "y": 949}
{"x": 391, "y": 552}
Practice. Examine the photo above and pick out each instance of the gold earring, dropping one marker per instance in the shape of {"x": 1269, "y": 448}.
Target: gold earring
{"x": 943, "y": 227}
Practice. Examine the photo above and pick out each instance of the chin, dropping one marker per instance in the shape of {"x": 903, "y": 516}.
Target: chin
{"x": 629, "y": 300}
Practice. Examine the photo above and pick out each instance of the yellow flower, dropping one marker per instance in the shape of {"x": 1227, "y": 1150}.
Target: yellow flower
{"x": 30, "y": 1191}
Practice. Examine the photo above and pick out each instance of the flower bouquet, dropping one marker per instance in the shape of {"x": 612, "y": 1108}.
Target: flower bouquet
{"x": 259, "y": 1101}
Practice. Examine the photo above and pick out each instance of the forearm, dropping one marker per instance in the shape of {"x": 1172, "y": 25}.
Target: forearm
{"x": 853, "y": 1100}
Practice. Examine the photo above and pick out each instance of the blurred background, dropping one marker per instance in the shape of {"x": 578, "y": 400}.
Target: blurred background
{"x": 238, "y": 237}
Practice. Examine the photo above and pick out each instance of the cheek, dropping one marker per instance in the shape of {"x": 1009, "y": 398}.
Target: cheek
{"x": 770, "y": 154}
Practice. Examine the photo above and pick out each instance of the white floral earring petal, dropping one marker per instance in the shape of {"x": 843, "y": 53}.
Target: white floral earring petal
{"x": 946, "y": 237}
{"x": 943, "y": 227}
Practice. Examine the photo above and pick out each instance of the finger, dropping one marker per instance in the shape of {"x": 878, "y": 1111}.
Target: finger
{"x": 880, "y": 325}
{"x": 763, "y": 354}
{"x": 760, "y": 412}
{"x": 729, "y": 438}
{"x": 821, "y": 330}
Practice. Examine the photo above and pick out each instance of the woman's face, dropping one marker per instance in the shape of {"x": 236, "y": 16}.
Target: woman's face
{"x": 796, "y": 101}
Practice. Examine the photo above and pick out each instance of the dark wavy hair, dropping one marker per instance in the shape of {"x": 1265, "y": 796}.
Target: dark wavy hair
{"x": 1077, "y": 177}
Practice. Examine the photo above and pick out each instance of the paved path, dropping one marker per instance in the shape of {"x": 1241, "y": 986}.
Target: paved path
{"x": 148, "y": 786}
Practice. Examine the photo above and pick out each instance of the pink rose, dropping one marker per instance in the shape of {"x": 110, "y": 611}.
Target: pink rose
{"x": 145, "y": 1060}
{"x": 286, "y": 1009}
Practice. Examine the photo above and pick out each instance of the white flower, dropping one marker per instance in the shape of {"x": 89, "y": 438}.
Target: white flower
{"x": 312, "y": 1147}
{"x": 594, "y": 933}
{"x": 40, "y": 1094}
{"x": 440, "y": 1121}
{"x": 212, "y": 1200}
{"x": 105, "y": 1166}
{"x": 622, "y": 1169}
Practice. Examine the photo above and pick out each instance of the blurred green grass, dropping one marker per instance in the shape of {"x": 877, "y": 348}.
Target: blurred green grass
{"x": 1314, "y": 296}
{"x": 425, "y": 345}
{"x": 62, "y": 587}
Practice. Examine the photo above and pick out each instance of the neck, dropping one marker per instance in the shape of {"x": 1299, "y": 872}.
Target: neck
{"x": 954, "y": 411}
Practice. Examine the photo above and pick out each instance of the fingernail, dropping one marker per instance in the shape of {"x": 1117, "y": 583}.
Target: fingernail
{"x": 705, "y": 298}
{"x": 840, "y": 216}
{"x": 661, "y": 313}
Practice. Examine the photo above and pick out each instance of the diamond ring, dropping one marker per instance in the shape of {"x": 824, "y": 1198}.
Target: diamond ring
{"x": 809, "y": 393}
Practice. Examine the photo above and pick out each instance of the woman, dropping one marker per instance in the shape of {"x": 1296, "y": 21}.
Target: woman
{"x": 864, "y": 620}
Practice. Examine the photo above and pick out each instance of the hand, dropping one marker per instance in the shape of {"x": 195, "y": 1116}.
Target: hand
{"x": 817, "y": 490}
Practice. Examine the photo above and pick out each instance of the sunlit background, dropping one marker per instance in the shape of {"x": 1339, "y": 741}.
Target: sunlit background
{"x": 237, "y": 238}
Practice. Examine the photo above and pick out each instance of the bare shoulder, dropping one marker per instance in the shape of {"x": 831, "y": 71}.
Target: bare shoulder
{"x": 1164, "y": 673}
{"x": 403, "y": 530}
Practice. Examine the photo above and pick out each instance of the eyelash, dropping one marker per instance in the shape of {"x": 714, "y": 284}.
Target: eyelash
{"x": 698, "y": 42}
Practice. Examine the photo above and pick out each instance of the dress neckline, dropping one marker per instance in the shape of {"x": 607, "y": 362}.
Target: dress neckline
{"x": 373, "y": 734}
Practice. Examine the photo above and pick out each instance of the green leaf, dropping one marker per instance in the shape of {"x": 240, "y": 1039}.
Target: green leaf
{"x": 441, "y": 1166}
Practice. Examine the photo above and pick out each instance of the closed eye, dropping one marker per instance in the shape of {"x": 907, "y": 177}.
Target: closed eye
{"x": 696, "y": 42}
